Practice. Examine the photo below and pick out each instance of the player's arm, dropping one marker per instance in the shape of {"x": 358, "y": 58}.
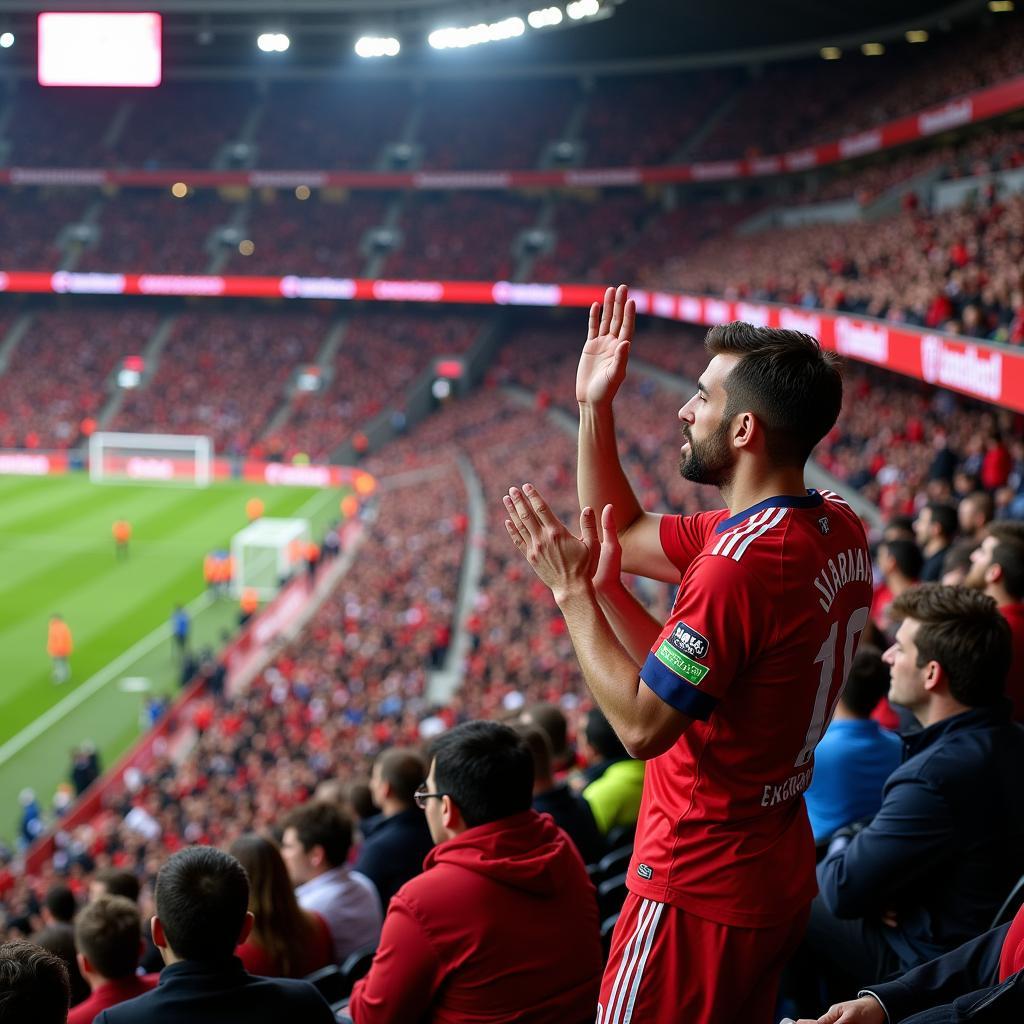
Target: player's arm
{"x": 600, "y": 478}
{"x": 646, "y": 724}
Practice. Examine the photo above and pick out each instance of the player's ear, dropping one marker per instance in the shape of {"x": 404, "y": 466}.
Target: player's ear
{"x": 745, "y": 430}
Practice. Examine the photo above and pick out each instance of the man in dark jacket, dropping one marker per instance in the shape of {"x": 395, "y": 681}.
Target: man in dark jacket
{"x": 397, "y": 839}
{"x": 202, "y": 896}
{"x": 947, "y": 845}
{"x": 502, "y": 924}
{"x": 980, "y": 982}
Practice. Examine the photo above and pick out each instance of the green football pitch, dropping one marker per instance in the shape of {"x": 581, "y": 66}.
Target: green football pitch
{"x": 57, "y": 555}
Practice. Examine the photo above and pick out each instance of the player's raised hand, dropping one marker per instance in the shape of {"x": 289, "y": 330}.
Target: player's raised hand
{"x": 561, "y": 560}
{"x": 603, "y": 363}
{"x": 608, "y": 567}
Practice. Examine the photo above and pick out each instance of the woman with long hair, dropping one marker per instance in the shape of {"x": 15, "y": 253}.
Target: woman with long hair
{"x": 286, "y": 941}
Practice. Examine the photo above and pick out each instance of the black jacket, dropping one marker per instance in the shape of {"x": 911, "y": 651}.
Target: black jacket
{"x": 191, "y": 992}
{"x": 947, "y": 844}
{"x": 393, "y": 850}
{"x": 962, "y": 986}
{"x": 572, "y": 814}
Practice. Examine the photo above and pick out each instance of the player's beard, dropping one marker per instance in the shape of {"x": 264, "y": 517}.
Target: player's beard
{"x": 709, "y": 461}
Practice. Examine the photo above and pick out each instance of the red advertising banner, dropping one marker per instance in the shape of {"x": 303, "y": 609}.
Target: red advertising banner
{"x": 967, "y": 109}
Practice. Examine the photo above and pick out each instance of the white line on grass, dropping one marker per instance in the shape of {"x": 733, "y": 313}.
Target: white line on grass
{"x": 93, "y": 684}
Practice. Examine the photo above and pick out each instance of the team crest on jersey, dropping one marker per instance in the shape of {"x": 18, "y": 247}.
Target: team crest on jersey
{"x": 823, "y": 525}
{"x": 686, "y": 640}
{"x": 645, "y": 871}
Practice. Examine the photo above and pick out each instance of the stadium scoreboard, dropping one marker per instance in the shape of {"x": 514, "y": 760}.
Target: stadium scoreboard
{"x": 90, "y": 50}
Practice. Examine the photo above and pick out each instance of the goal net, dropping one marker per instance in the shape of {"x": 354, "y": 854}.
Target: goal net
{"x": 266, "y": 553}
{"x": 162, "y": 458}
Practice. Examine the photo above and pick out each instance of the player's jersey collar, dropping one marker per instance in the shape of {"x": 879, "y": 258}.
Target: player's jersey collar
{"x": 811, "y": 500}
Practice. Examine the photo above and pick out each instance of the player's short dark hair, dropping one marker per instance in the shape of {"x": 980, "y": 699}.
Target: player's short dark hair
{"x": 943, "y": 515}
{"x": 486, "y": 769}
{"x": 1009, "y": 556}
{"x": 118, "y": 882}
{"x": 323, "y": 824}
{"x": 108, "y": 932}
{"x": 33, "y": 985}
{"x": 404, "y": 771}
{"x": 60, "y": 902}
{"x": 786, "y": 380}
{"x": 540, "y": 748}
{"x": 907, "y": 556}
{"x": 202, "y": 896}
{"x": 551, "y": 719}
{"x": 867, "y": 683}
{"x": 963, "y": 630}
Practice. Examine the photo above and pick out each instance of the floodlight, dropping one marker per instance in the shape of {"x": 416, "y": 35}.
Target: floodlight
{"x": 917, "y": 35}
{"x": 472, "y": 35}
{"x": 545, "y": 17}
{"x": 1000, "y": 6}
{"x": 582, "y": 9}
{"x": 872, "y": 49}
{"x": 831, "y": 53}
{"x": 7, "y": 40}
{"x": 273, "y": 42}
{"x": 377, "y": 46}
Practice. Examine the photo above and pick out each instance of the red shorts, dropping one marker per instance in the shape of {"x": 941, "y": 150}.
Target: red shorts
{"x": 670, "y": 967}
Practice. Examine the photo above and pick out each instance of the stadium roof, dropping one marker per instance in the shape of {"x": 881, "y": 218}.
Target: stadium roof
{"x": 219, "y": 35}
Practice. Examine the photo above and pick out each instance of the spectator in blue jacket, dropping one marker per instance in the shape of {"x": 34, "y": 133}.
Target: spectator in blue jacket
{"x": 856, "y": 755}
{"x": 938, "y": 859}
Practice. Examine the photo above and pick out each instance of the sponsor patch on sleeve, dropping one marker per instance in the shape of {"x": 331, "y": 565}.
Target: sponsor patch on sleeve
{"x": 686, "y": 640}
{"x": 681, "y": 664}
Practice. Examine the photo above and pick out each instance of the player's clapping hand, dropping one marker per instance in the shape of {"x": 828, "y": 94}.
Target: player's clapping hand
{"x": 866, "y": 1010}
{"x": 608, "y": 572}
{"x": 561, "y": 560}
{"x": 603, "y": 363}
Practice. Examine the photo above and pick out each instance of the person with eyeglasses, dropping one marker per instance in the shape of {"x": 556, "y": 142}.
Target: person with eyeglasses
{"x": 502, "y": 923}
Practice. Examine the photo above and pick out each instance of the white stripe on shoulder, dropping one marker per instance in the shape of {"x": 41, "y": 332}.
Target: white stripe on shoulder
{"x": 780, "y": 514}
{"x": 731, "y": 536}
{"x": 836, "y": 499}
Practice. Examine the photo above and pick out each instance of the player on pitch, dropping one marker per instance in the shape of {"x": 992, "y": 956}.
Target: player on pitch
{"x": 728, "y": 699}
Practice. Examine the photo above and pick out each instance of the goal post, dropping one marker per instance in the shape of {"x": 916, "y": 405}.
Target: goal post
{"x": 266, "y": 553}
{"x": 150, "y": 458}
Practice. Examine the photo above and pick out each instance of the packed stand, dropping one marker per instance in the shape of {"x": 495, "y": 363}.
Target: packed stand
{"x": 58, "y": 376}
{"x": 224, "y": 375}
{"x": 480, "y": 247}
{"x": 61, "y": 127}
{"x": 379, "y": 358}
{"x": 31, "y": 221}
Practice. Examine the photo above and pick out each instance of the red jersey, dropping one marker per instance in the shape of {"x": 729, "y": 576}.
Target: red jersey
{"x": 764, "y": 627}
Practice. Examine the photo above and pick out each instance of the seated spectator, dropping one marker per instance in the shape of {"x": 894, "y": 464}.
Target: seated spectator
{"x": 856, "y": 755}
{"x": 899, "y": 562}
{"x": 982, "y": 980}
{"x": 997, "y": 569}
{"x": 397, "y": 839}
{"x": 502, "y": 923}
{"x": 59, "y": 939}
{"x": 934, "y": 530}
{"x": 975, "y": 513}
{"x": 947, "y": 844}
{"x": 108, "y": 935}
{"x": 551, "y": 719}
{"x": 569, "y": 811}
{"x": 59, "y": 906}
{"x": 201, "y": 916}
{"x": 957, "y": 563}
{"x": 286, "y": 941}
{"x": 114, "y": 882}
{"x": 616, "y": 780}
{"x": 33, "y": 985}
{"x": 315, "y": 846}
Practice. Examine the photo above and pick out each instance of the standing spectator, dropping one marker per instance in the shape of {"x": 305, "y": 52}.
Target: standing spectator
{"x": 899, "y": 562}
{"x": 947, "y": 844}
{"x": 59, "y": 939}
{"x": 502, "y": 923}
{"x": 122, "y": 532}
{"x": 569, "y": 811}
{"x": 856, "y": 755}
{"x": 616, "y": 780}
{"x": 397, "y": 839}
{"x": 33, "y": 985}
{"x": 59, "y": 646}
{"x": 31, "y": 825}
{"x": 286, "y": 941}
{"x": 108, "y": 937}
{"x": 315, "y": 845}
{"x": 997, "y": 569}
{"x": 59, "y": 905}
{"x": 723, "y": 700}
{"x": 201, "y": 899}
{"x": 180, "y": 625}
{"x": 934, "y": 530}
